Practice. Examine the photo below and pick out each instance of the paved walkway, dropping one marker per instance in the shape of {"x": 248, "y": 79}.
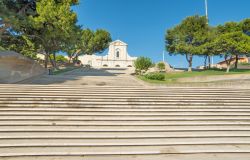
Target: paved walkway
{"x": 92, "y": 77}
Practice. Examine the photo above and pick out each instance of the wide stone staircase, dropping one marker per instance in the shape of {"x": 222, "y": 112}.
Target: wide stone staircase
{"x": 58, "y": 122}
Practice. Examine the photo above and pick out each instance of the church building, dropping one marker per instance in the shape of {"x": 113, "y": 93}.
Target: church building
{"x": 117, "y": 57}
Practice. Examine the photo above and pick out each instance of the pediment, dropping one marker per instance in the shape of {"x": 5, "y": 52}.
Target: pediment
{"x": 118, "y": 43}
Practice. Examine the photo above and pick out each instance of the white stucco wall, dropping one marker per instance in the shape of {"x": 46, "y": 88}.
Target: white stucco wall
{"x": 112, "y": 59}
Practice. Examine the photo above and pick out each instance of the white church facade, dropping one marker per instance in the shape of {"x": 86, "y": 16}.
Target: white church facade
{"x": 117, "y": 57}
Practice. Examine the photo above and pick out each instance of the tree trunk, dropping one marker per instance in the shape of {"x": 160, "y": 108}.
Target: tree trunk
{"x": 51, "y": 61}
{"x": 228, "y": 62}
{"x": 209, "y": 62}
{"x": 189, "y": 58}
{"x": 70, "y": 59}
{"x": 205, "y": 62}
{"x": 46, "y": 61}
{"x": 228, "y": 68}
{"x": 54, "y": 60}
{"x": 190, "y": 67}
{"x": 236, "y": 62}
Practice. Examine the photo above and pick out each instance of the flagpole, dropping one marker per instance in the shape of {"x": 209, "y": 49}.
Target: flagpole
{"x": 206, "y": 8}
{"x": 163, "y": 57}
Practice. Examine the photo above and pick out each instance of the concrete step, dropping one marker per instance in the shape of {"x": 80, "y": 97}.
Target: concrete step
{"x": 121, "y": 104}
{"x": 121, "y": 142}
{"x": 196, "y": 156}
{"x": 65, "y": 86}
{"x": 117, "y": 122}
{"x": 123, "y": 150}
{"x": 123, "y": 93}
{"x": 121, "y": 98}
{"x": 130, "y": 106}
{"x": 123, "y": 135}
{"x": 11, "y": 92}
{"x": 131, "y": 113}
{"x": 122, "y": 128}
{"x": 114, "y": 110}
{"x": 123, "y": 123}
{"x": 125, "y": 118}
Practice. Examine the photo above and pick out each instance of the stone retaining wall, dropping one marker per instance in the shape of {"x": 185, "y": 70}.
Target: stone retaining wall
{"x": 15, "y": 67}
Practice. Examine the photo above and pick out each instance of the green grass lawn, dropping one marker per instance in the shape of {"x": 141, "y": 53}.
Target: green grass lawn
{"x": 172, "y": 77}
{"x": 66, "y": 69}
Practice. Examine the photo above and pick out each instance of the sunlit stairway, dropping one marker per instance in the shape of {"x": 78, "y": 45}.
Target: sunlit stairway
{"x": 116, "y": 123}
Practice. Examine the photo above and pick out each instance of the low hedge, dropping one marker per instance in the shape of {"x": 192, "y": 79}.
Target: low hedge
{"x": 155, "y": 76}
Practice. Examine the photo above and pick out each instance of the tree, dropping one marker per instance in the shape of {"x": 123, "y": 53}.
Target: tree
{"x": 231, "y": 27}
{"x": 245, "y": 25}
{"x": 161, "y": 66}
{"x": 60, "y": 59}
{"x": 231, "y": 44}
{"x": 187, "y": 38}
{"x": 47, "y": 27}
{"x": 89, "y": 42}
{"x": 13, "y": 23}
{"x": 142, "y": 63}
{"x": 205, "y": 49}
{"x": 94, "y": 41}
{"x": 14, "y": 14}
{"x": 52, "y": 26}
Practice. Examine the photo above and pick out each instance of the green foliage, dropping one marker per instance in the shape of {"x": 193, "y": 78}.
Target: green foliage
{"x": 194, "y": 37}
{"x": 155, "y": 76}
{"x": 48, "y": 26}
{"x": 245, "y": 24}
{"x": 187, "y": 37}
{"x": 142, "y": 63}
{"x": 230, "y": 41}
{"x": 173, "y": 77}
{"x": 229, "y": 27}
{"x": 1, "y": 48}
{"x": 61, "y": 58}
{"x": 94, "y": 42}
{"x": 13, "y": 23}
{"x": 20, "y": 44}
{"x": 161, "y": 66}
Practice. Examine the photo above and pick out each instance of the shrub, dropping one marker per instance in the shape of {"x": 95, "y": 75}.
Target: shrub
{"x": 142, "y": 63}
{"x": 59, "y": 58}
{"x": 155, "y": 76}
{"x": 161, "y": 66}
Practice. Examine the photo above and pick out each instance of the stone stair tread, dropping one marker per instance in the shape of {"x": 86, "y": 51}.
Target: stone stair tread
{"x": 105, "y": 135}
{"x": 123, "y": 150}
{"x": 111, "y": 110}
{"x": 56, "y": 121}
{"x": 121, "y": 128}
{"x": 196, "y": 156}
{"x": 120, "y": 123}
{"x": 122, "y": 142}
{"x": 80, "y": 113}
{"x": 127, "y": 118}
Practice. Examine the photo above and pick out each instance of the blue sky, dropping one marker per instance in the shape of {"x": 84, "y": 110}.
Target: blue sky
{"x": 142, "y": 23}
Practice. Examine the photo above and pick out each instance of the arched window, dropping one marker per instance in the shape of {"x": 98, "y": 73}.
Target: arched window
{"x": 117, "y": 54}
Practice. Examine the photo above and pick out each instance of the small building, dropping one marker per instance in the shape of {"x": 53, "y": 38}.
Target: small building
{"x": 117, "y": 57}
{"x": 223, "y": 64}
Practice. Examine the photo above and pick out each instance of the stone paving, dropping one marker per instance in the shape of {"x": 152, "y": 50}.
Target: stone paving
{"x": 92, "y": 77}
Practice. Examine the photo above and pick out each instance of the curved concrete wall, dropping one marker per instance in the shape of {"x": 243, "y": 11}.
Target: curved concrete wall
{"x": 14, "y": 67}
